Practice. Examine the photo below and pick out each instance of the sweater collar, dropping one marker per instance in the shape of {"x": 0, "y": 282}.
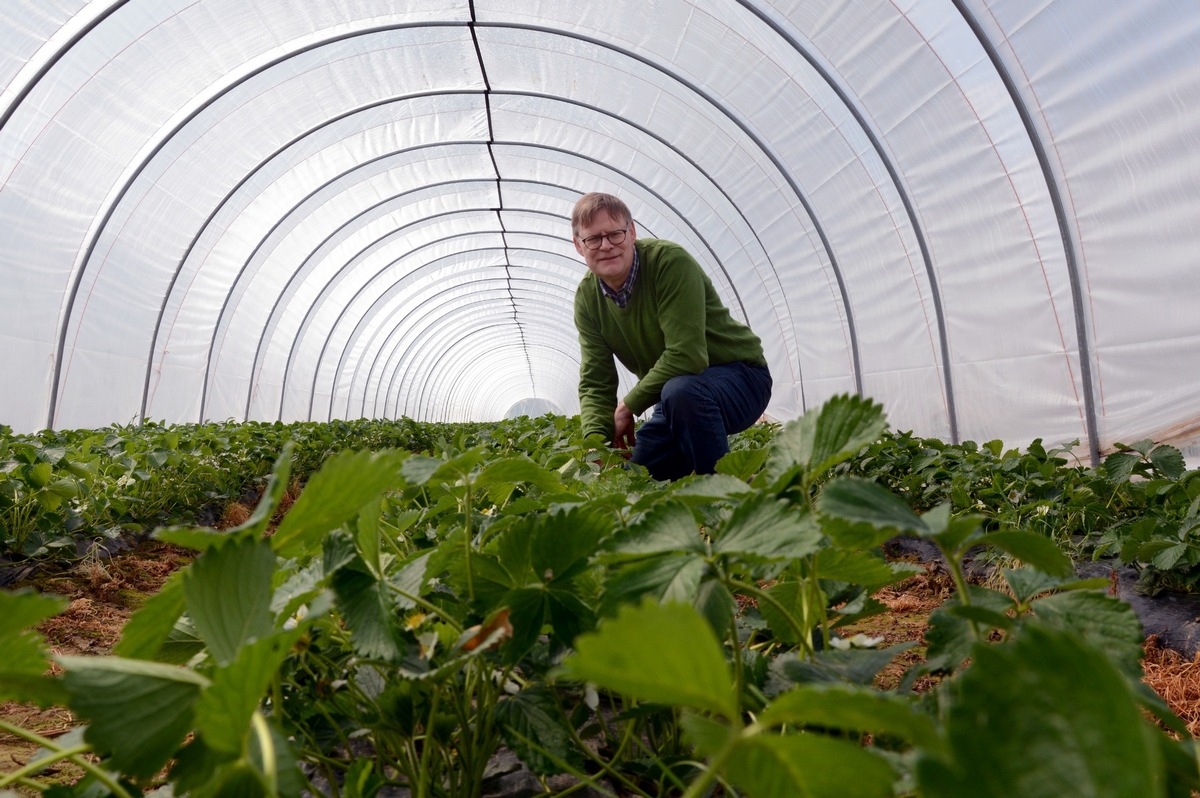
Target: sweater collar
{"x": 623, "y": 296}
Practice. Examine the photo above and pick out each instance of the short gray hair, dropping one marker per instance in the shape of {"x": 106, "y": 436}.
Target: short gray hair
{"x": 593, "y": 203}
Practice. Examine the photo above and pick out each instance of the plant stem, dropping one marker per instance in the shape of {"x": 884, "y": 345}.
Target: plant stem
{"x": 427, "y": 751}
{"x": 698, "y": 787}
{"x": 266, "y": 746}
{"x": 813, "y": 597}
{"x": 954, "y": 560}
{"x": 40, "y": 764}
{"x": 739, "y": 667}
{"x": 428, "y": 607}
{"x": 761, "y": 595}
{"x": 467, "y": 541}
{"x": 72, "y": 755}
{"x": 605, "y": 767}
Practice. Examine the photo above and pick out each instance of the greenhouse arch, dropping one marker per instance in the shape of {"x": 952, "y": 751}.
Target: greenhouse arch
{"x": 981, "y": 214}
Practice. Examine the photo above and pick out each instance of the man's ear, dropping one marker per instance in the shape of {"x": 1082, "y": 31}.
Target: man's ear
{"x": 578, "y": 245}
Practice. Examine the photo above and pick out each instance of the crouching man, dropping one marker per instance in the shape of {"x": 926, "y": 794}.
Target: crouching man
{"x": 647, "y": 303}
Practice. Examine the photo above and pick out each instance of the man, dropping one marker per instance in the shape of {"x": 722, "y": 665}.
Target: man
{"x": 648, "y": 303}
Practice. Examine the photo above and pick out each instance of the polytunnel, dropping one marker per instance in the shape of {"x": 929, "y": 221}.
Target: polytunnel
{"x": 980, "y": 213}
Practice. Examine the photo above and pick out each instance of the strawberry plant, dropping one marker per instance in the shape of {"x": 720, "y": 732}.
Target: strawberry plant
{"x": 509, "y": 586}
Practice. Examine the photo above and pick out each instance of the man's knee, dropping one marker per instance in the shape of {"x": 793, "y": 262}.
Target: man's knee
{"x": 682, "y": 392}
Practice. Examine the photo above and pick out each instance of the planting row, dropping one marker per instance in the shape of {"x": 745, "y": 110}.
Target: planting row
{"x": 62, "y": 489}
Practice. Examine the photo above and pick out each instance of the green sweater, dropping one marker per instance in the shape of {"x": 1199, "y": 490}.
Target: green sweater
{"x": 674, "y": 324}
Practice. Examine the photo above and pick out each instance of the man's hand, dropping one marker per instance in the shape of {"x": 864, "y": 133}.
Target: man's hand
{"x": 623, "y": 437}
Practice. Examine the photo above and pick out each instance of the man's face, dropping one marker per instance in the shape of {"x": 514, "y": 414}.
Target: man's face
{"x": 610, "y": 262}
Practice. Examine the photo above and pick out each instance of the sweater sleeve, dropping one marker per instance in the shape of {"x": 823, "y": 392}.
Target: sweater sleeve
{"x": 597, "y": 372}
{"x": 679, "y": 307}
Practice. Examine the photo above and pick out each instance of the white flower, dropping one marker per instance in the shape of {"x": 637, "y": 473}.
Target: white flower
{"x": 858, "y": 641}
{"x": 294, "y": 621}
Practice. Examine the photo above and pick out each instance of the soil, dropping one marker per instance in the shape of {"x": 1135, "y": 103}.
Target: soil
{"x": 104, "y": 593}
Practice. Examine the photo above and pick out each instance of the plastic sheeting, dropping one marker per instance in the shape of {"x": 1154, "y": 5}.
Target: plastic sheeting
{"x": 981, "y": 214}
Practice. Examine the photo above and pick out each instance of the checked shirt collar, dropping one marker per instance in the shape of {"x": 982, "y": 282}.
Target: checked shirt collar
{"x": 622, "y": 297}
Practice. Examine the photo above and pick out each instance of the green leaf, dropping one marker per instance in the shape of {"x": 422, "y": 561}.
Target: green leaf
{"x": 21, "y": 609}
{"x": 1143, "y": 447}
{"x": 237, "y": 779}
{"x": 866, "y": 568}
{"x": 228, "y": 595}
{"x": 419, "y": 469}
{"x": 851, "y": 709}
{"x": 709, "y": 735}
{"x": 688, "y": 670}
{"x": 570, "y": 616}
{"x": 198, "y": 771}
{"x": 824, "y": 437}
{"x": 338, "y": 550}
{"x": 361, "y": 780}
{"x": 769, "y": 528}
{"x": 508, "y": 558}
{"x": 987, "y": 618}
{"x": 1026, "y": 583}
{"x": 863, "y": 501}
{"x": 1045, "y": 716}
{"x": 181, "y": 644}
{"x": 714, "y": 601}
{"x": 334, "y": 496}
{"x": 409, "y": 580}
{"x": 1168, "y": 461}
{"x": 950, "y": 641}
{"x": 224, "y": 709}
{"x": 39, "y": 474}
{"x": 24, "y": 666}
{"x": 1119, "y": 465}
{"x": 367, "y": 606}
{"x": 668, "y": 528}
{"x": 459, "y": 467}
{"x": 1033, "y": 549}
{"x": 743, "y": 464}
{"x": 300, "y": 586}
{"x": 953, "y": 535}
{"x": 1104, "y": 621}
{"x": 196, "y": 538}
{"x": 518, "y": 470}
{"x": 808, "y": 766}
{"x": 1166, "y": 555}
{"x": 64, "y": 488}
{"x": 148, "y": 628}
{"x": 852, "y": 666}
{"x": 138, "y": 711}
{"x": 787, "y": 595}
{"x": 710, "y": 488}
{"x": 564, "y": 540}
{"x": 667, "y": 578}
{"x": 367, "y": 538}
{"x": 533, "y": 726}
{"x": 528, "y": 615}
{"x": 853, "y": 536}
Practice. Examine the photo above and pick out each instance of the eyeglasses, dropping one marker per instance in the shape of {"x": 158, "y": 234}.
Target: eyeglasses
{"x": 615, "y": 237}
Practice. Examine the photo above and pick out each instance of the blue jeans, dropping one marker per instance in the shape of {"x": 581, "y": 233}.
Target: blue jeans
{"x": 688, "y": 431}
